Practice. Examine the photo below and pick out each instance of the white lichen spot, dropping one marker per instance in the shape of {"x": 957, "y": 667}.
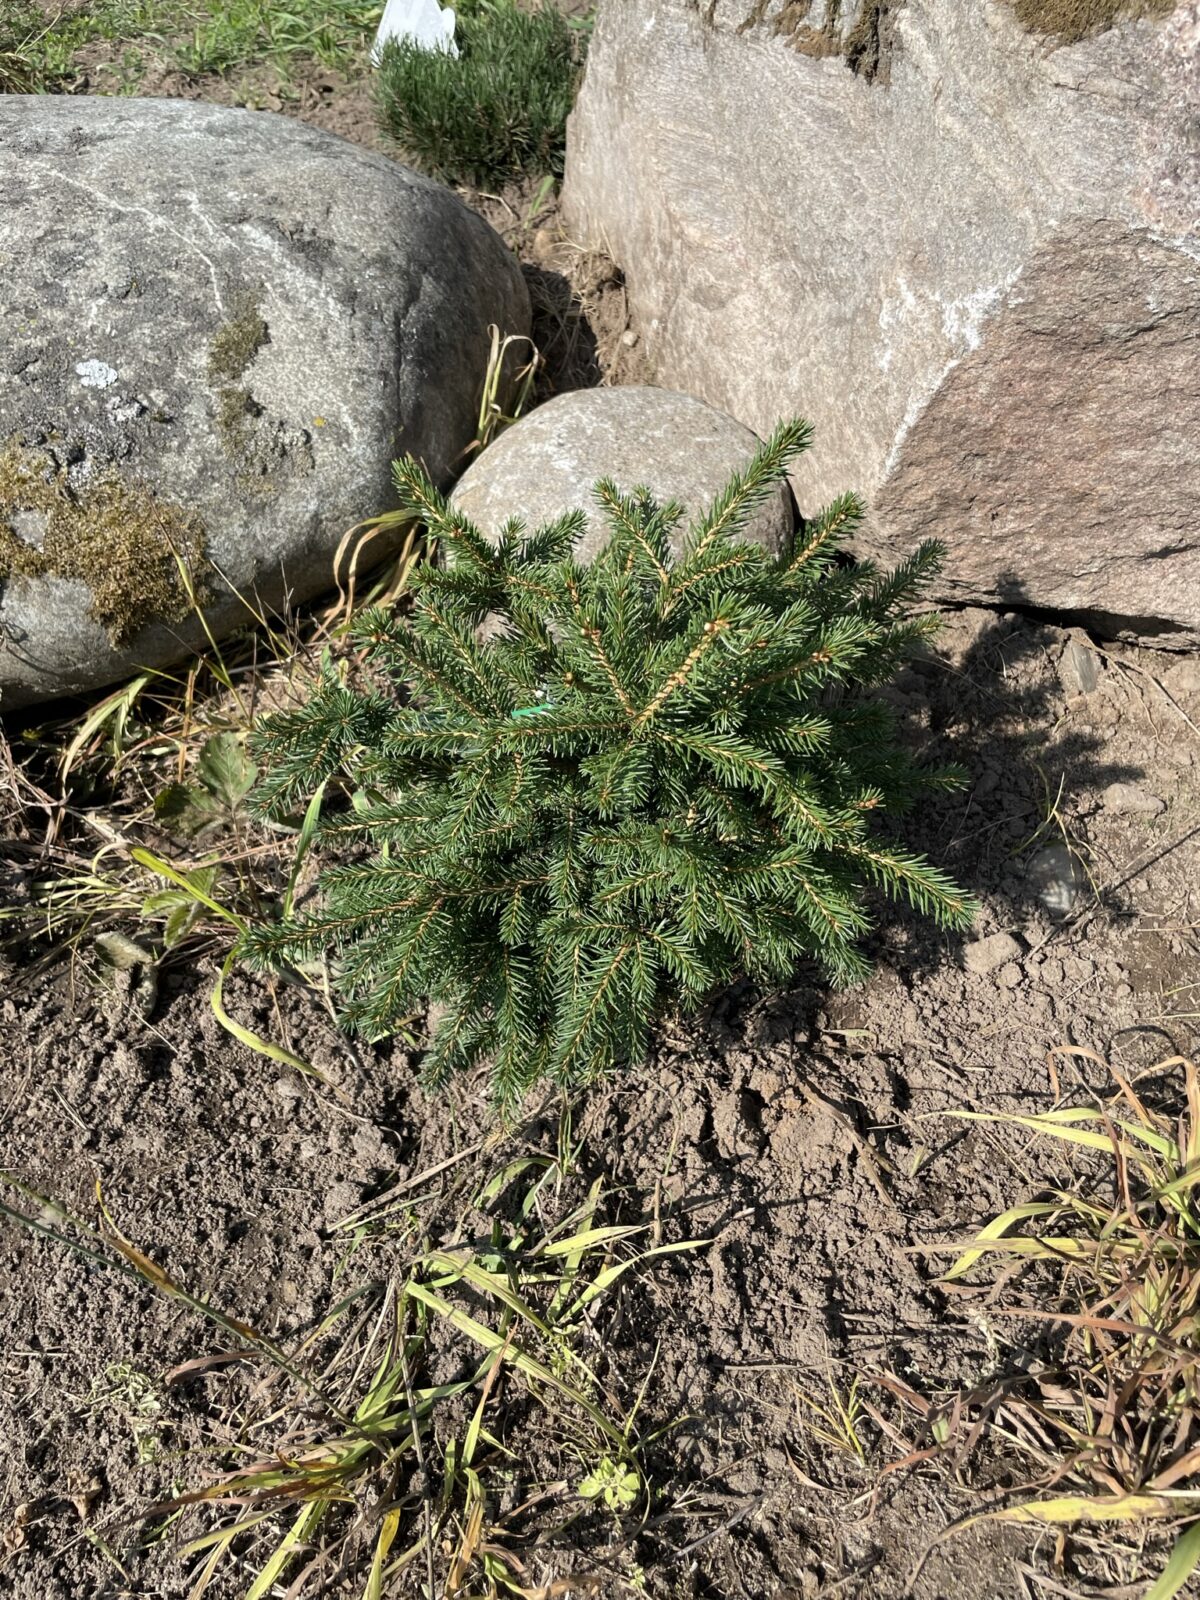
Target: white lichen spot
{"x": 895, "y": 312}
{"x": 95, "y": 374}
{"x": 963, "y": 321}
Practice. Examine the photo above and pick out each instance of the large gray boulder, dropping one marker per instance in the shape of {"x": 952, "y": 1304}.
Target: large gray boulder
{"x": 973, "y": 263}
{"x": 548, "y": 463}
{"x": 217, "y": 330}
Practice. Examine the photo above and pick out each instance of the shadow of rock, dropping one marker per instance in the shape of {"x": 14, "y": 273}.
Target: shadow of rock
{"x": 1024, "y": 708}
{"x": 562, "y": 334}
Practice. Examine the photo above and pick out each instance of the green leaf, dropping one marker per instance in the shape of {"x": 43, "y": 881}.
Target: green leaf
{"x": 225, "y": 775}
{"x": 225, "y": 770}
{"x": 1183, "y": 1561}
{"x": 196, "y": 885}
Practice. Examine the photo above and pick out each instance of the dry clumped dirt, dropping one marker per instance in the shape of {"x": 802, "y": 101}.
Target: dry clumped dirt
{"x": 801, "y": 1135}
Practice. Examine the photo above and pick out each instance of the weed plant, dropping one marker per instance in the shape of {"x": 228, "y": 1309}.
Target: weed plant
{"x": 385, "y": 1444}
{"x": 224, "y": 36}
{"x": 1100, "y": 1403}
{"x": 21, "y": 28}
{"x": 38, "y": 50}
{"x": 641, "y": 780}
{"x": 497, "y": 111}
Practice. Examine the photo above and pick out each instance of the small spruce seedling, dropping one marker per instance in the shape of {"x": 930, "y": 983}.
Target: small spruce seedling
{"x": 643, "y": 779}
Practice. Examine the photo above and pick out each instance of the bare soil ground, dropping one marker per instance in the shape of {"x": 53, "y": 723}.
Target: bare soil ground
{"x": 801, "y": 1134}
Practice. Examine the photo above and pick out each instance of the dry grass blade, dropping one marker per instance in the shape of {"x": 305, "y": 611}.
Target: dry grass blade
{"x": 384, "y": 1461}
{"x": 1108, "y": 1413}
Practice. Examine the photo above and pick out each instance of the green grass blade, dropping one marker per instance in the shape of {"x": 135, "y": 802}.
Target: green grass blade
{"x": 181, "y": 880}
{"x": 1181, "y": 1564}
{"x": 304, "y": 1525}
{"x": 254, "y": 1041}
{"x": 513, "y": 1353}
{"x": 388, "y": 1529}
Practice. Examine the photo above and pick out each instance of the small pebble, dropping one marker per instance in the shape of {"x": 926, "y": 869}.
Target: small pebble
{"x": 1080, "y": 666}
{"x": 1056, "y": 877}
{"x": 998, "y": 949}
{"x": 1130, "y": 800}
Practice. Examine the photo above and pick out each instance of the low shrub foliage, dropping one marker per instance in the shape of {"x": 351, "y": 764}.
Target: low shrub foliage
{"x": 20, "y": 24}
{"x": 497, "y": 110}
{"x": 641, "y": 780}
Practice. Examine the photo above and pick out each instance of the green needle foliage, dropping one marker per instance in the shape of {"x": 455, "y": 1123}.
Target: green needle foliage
{"x": 496, "y": 111}
{"x": 641, "y": 780}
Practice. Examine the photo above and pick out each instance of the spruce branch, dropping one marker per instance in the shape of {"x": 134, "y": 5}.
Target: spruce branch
{"x": 826, "y": 532}
{"x": 727, "y": 516}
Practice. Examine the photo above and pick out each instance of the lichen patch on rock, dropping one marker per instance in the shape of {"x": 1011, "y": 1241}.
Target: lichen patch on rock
{"x": 234, "y": 347}
{"x": 258, "y": 445}
{"x": 95, "y": 374}
{"x": 130, "y": 547}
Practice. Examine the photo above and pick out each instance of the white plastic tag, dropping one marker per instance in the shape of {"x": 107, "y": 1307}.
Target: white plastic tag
{"x": 423, "y": 21}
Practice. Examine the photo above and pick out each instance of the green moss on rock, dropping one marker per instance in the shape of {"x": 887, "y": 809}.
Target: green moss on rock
{"x": 236, "y": 343}
{"x": 238, "y": 415}
{"x": 236, "y": 410}
{"x": 114, "y": 535}
{"x": 1069, "y": 21}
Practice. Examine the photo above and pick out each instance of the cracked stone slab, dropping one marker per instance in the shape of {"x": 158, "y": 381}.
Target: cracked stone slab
{"x": 242, "y": 316}
{"x": 978, "y": 275}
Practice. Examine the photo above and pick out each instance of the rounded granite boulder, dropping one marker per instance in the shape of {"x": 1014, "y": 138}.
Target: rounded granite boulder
{"x": 219, "y": 329}
{"x": 642, "y": 437}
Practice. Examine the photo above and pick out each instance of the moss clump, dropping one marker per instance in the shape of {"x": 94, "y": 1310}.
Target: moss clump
{"x": 236, "y": 343}
{"x": 1069, "y": 21}
{"x": 117, "y": 537}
